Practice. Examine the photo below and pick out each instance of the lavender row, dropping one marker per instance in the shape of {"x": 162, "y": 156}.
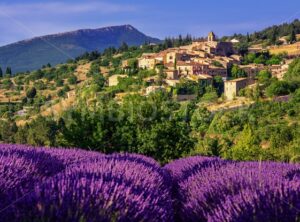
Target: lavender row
{"x": 220, "y": 190}
{"x": 71, "y": 185}
{"x": 42, "y": 184}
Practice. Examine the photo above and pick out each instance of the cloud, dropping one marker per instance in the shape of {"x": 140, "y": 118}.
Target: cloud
{"x": 63, "y": 8}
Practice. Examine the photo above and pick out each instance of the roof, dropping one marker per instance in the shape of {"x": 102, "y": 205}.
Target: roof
{"x": 237, "y": 80}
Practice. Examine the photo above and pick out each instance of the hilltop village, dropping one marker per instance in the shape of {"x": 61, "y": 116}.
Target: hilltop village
{"x": 178, "y": 97}
{"x": 201, "y": 62}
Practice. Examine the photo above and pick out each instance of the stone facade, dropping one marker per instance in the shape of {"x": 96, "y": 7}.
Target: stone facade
{"x": 232, "y": 87}
{"x": 114, "y": 80}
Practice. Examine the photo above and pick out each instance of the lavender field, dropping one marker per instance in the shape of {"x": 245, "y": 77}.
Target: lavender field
{"x": 42, "y": 184}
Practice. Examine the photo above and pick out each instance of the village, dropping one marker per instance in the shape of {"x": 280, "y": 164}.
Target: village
{"x": 201, "y": 61}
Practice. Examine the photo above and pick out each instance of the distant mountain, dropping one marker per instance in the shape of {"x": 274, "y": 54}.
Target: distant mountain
{"x": 33, "y": 53}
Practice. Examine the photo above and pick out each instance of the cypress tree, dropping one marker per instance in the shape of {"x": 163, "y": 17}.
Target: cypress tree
{"x": 293, "y": 37}
{"x": 8, "y": 71}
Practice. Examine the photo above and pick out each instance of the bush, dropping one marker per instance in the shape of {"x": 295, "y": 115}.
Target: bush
{"x": 72, "y": 80}
{"x": 31, "y": 93}
{"x": 97, "y": 188}
{"x": 217, "y": 190}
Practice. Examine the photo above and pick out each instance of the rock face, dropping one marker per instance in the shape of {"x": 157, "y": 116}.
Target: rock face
{"x": 33, "y": 53}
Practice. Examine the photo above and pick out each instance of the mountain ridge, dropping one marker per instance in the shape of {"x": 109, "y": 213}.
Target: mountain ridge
{"x": 31, "y": 54}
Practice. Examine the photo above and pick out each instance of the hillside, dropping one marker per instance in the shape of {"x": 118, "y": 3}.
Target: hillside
{"x": 109, "y": 102}
{"x": 54, "y": 49}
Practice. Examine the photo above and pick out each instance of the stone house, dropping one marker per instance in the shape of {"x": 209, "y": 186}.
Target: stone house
{"x": 191, "y": 68}
{"x": 147, "y": 61}
{"x": 114, "y": 80}
{"x": 232, "y": 87}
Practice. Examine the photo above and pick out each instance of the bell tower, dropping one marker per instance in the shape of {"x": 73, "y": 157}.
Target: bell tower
{"x": 211, "y": 37}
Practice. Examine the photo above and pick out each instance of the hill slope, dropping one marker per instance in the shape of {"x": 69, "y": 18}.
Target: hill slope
{"x": 32, "y": 54}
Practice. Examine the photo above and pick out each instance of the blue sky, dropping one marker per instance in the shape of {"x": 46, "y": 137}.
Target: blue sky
{"x": 21, "y": 19}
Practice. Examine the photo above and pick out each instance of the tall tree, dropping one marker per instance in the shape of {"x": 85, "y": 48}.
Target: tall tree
{"x": 293, "y": 37}
{"x": 1, "y": 73}
{"x": 8, "y": 71}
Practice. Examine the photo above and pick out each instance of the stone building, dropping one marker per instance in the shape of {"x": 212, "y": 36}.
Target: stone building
{"x": 232, "y": 87}
{"x": 114, "y": 80}
{"x": 191, "y": 68}
{"x": 214, "y": 47}
{"x": 147, "y": 61}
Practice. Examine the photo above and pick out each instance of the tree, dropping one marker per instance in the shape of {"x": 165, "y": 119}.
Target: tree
{"x": 293, "y": 37}
{"x": 278, "y": 88}
{"x": 124, "y": 47}
{"x": 237, "y": 72}
{"x": 61, "y": 93}
{"x": 42, "y": 132}
{"x": 293, "y": 73}
{"x": 31, "y": 93}
{"x": 201, "y": 120}
{"x": 1, "y": 73}
{"x": 210, "y": 94}
{"x": 242, "y": 48}
{"x": 72, "y": 80}
{"x": 246, "y": 147}
{"x": 165, "y": 141}
{"x": 264, "y": 76}
{"x": 248, "y": 38}
{"x": 8, "y": 71}
{"x": 161, "y": 76}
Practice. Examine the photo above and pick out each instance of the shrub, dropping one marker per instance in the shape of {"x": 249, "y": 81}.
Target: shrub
{"x": 219, "y": 190}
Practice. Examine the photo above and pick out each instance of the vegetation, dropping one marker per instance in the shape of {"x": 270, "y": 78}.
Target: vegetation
{"x": 271, "y": 35}
{"x": 65, "y": 185}
{"x": 157, "y": 125}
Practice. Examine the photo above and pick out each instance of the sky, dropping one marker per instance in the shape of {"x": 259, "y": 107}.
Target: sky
{"x": 24, "y": 19}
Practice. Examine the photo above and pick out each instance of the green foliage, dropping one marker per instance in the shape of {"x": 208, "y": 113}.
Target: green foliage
{"x": 279, "y": 88}
{"x": 237, "y": 72}
{"x": 40, "y": 132}
{"x": 7, "y": 130}
{"x": 217, "y": 64}
{"x": 8, "y": 71}
{"x": 138, "y": 125}
{"x": 246, "y": 147}
{"x": 293, "y": 73}
{"x": 61, "y": 93}
{"x": 72, "y": 80}
{"x": 201, "y": 120}
{"x": 292, "y": 36}
{"x": 31, "y": 93}
{"x": 210, "y": 95}
{"x": 242, "y": 48}
{"x": 270, "y": 34}
{"x": 263, "y": 58}
{"x": 59, "y": 82}
{"x": 7, "y": 83}
{"x": 187, "y": 87}
{"x": 264, "y": 76}
{"x": 95, "y": 68}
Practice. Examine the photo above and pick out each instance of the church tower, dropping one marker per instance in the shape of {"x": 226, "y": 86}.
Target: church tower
{"x": 211, "y": 37}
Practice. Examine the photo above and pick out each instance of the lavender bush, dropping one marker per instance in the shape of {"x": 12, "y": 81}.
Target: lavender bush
{"x": 219, "y": 190}
{"x": 119, "y": 187}
{"x": 44, "y": 184}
